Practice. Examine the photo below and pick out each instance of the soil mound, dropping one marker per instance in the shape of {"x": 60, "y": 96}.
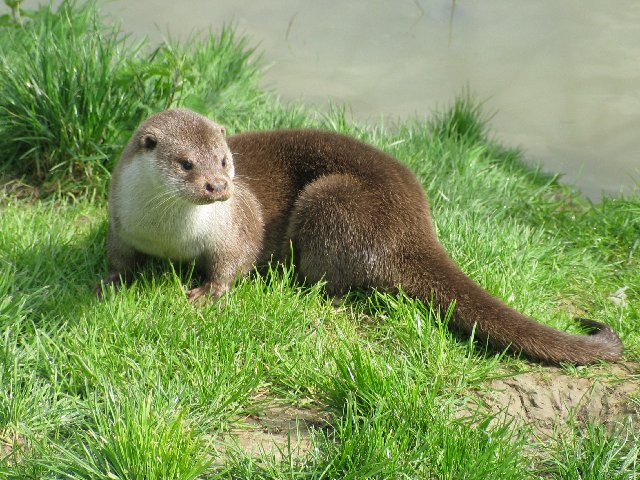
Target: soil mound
{"x": 552, "y": 398}
{"x": 278, "y": 431}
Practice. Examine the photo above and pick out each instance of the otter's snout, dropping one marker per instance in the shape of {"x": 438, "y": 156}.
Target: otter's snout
{"x": 217, "y": 189}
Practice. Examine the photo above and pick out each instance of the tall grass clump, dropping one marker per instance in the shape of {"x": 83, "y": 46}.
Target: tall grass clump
{"x": 133, "y": 438}
{"x": 463, "y": 121}
{"x": 72, "y": 89}
{"x": 594, "y": 452}
{"x": 62, "y": 99}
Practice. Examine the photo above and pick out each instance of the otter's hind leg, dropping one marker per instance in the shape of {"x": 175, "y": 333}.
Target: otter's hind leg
{"x": 337, "y": 235}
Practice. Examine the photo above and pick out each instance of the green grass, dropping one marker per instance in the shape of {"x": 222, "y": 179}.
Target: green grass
{"x": 133, "y": 437}
{"x": 594, "y": 453}
{"x": 143, "y": 385}
{"x": 71, "y": 90}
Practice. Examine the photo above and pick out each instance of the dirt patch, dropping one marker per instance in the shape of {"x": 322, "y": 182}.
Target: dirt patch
{"x": 545, "y": 400}
{"x": 15, "y": 189}
{"x": 11, "y": 447}
{"x": 549, "y": 399}
{"x": 278, "y": 431}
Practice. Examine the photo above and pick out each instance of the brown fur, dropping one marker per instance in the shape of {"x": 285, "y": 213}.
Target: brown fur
{"x": 357, "y": 218}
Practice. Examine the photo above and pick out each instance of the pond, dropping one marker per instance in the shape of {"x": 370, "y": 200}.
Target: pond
{"x": 562, "y": 79}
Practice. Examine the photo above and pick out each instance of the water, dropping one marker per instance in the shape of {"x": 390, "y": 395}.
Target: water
{"x": 563, "y": 78}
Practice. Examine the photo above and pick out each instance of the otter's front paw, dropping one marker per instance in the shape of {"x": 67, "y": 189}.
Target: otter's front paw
{"x": 112, "y": 278}
{"x": 211, "y": 290}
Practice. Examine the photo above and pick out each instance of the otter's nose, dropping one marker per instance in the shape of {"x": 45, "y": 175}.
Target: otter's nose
{"x": 216, "y": 186}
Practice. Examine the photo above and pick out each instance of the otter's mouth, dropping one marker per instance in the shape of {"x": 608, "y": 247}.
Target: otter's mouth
{"x": 209, "y": 199}
{"x": 206, "y": 197}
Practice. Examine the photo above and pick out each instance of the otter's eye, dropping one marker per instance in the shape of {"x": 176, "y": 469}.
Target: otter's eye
{"x": 224, "y": 162}
{"x": 186, "y": 164}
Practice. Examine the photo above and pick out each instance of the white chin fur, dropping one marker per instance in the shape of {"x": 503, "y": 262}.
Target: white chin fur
{"x": 157, "y": 221}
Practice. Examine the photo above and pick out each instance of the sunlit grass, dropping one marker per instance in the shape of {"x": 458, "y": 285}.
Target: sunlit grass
{"x": 72, "y": 88}
{"x": 594, "y": 453}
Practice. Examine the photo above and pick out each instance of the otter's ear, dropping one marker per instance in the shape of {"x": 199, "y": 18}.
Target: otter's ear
{"x": 148, "y": 141}
{"x": 223, "y": 131}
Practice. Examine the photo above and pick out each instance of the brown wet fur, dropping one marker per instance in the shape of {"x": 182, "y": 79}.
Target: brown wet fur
{"x": 358, "y": 218}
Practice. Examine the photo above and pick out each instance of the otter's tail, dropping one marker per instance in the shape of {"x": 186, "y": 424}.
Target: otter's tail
{"x": 503, "y": 327}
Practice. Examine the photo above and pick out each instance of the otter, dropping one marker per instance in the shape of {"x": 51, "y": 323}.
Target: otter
{"x": 343, "y": 211}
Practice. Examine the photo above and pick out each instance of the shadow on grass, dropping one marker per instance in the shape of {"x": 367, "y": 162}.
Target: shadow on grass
{"x": 50, "y": 277}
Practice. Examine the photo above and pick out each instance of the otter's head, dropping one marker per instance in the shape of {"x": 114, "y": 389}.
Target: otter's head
{"x": 190, "y": 154}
